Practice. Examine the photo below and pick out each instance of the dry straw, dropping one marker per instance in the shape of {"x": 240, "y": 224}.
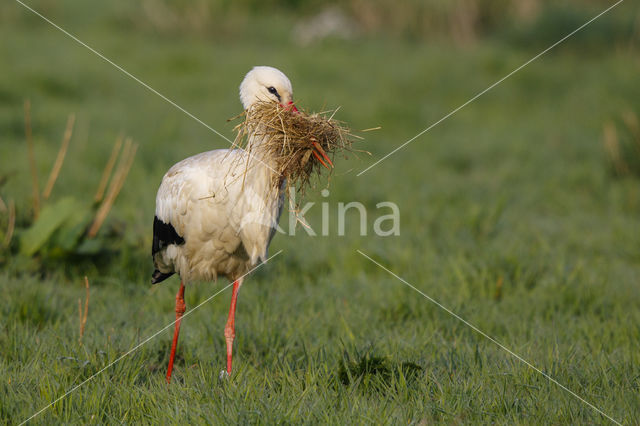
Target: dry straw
{"x": 32, "y": 159}
{"x": 107, "y": 170}
{"x": 11, "y": 225}
{"x": 295, "y": 143}
{"x": 83, "y": 313}
{"x": 115, "y": 185}
{"x": 57, "y": 166}
{"x": 623, "y": 148}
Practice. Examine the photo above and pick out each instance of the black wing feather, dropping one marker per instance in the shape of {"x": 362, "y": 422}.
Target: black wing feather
{"x": 164, "y": 234}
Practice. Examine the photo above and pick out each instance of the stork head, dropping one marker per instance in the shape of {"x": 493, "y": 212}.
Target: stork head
{"x": 266, "y": 84}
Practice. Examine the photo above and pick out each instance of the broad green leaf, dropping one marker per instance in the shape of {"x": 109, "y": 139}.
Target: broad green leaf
{"x": 51, "y": 218}
{"x": 90, "y": 247}
{"x": 69, "y": 236}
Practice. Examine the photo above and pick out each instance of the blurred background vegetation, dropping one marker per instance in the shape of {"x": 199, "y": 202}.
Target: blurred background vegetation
{"x": 520, "y": 212}
{"x": 525, "y": 22}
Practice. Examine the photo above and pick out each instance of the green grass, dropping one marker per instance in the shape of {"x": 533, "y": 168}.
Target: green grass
{"x": 515, "y": 188}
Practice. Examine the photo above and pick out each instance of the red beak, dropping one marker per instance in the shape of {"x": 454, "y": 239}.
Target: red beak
{"x": 318, "y": 152}
{"x": 290, "y": 106}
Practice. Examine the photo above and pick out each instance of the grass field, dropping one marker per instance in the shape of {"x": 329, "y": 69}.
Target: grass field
{"x": 510, "y": 217}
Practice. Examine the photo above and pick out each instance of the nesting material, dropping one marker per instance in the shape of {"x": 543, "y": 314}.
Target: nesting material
{"x": 297, "y": 143}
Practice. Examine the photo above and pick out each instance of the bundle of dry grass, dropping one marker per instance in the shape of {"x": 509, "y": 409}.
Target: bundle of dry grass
{"x": 298, "y": 143}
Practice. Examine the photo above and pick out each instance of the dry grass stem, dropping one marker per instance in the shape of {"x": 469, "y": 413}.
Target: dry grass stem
{"x": 32, "y": 159}
{"x": 11, "y": 225}
{"x": 612, "y": 147}
{"x": 630, "y": 119}
{"x": 107, "y": 170}
{"x": 62, "y": 152}
{"x": 116, "y": 184}
{"x": 498, "y": 293}
{"x": 83, "y": 314}
{"x": 296, "y": 144}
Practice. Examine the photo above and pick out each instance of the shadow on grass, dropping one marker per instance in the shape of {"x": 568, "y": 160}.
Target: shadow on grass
{"x": 373, "y": 373}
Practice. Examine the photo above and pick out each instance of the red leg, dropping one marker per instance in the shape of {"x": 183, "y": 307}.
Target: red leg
{"x": 230, "y": 329}
{"x": 180, "y": 308}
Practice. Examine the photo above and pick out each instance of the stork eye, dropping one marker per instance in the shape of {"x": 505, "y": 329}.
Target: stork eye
{"x": 273, "y": 91}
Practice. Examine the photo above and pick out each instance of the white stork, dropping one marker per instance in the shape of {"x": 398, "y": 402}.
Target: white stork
{"x": 216, "y": 212}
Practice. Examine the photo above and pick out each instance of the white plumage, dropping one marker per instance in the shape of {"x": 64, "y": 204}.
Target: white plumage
{"x": 223, "y": 203}
{"x": 216, "y": 212}
{"x": 226, "y": 217}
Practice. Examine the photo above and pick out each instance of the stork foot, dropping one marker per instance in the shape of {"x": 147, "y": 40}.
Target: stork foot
{"x": 223, "y": 375}
{"x": 180, "y": 308}
{"x": 230, "y": 328}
